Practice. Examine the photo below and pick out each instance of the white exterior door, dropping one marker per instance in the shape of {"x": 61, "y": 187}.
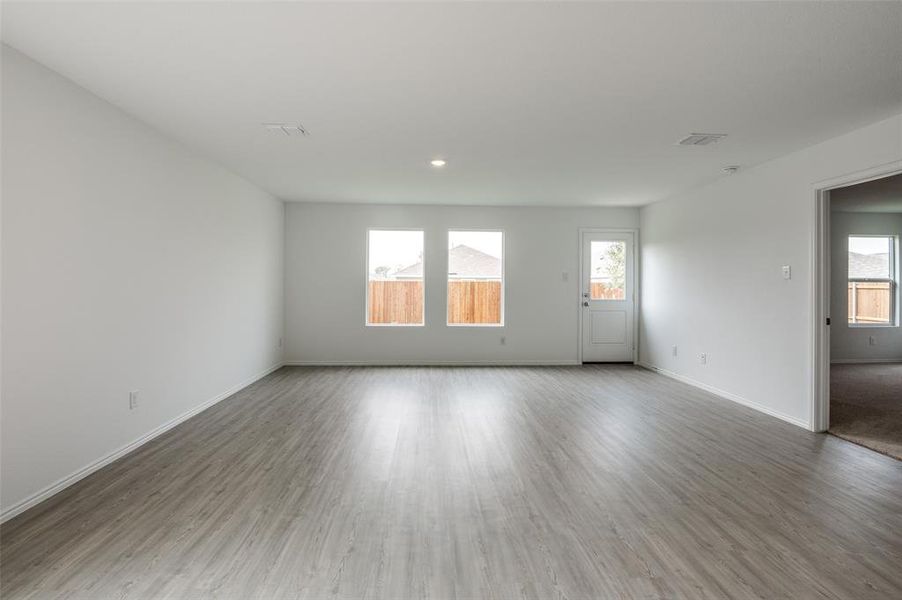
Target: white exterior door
{"x": 607, "y": 296}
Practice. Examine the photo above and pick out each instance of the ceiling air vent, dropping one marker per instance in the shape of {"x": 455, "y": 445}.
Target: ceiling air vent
{"x": 286, "y": 129}
{"x": 701, "y": 139}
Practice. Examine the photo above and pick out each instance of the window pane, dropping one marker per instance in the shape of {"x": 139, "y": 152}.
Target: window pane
{"x": 607, "y": 275}
{"x": 475, "y": 277}
{"x": 395, "y": 278}
{"x": 869, "y": 257}
{"x": 870, "y": 302}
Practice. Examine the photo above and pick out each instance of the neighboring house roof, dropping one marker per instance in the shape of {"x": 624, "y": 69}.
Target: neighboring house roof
{"x": 463, "y": 262}
{"x": 868, "y": 266}
{"x": 414, "y": 271}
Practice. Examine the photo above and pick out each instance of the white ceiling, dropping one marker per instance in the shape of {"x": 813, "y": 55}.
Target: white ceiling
{"x": 534, "y": 103}
{"x": 880, "y": 196}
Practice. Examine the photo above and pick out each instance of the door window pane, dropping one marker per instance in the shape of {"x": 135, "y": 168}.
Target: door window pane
{"x": 475, "y": 278}
{"x": 607, "y": 272}
{"x": 395, "y": 278}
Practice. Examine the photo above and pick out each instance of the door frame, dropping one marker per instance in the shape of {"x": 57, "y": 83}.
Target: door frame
{"x": 634, "y": 263}
{"x": 820, "y": 284}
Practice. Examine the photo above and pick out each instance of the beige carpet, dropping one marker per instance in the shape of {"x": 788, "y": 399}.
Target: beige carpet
{"x": 866, "y": 406}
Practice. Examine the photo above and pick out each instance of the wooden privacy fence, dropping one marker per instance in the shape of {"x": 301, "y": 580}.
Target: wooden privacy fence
{"x": 401, "y": 302}
{"x": 869, "y": 302}
{"x": 474, "y": 301}
{"x": 602, "y": 292}
{"x": 397, "y": 302}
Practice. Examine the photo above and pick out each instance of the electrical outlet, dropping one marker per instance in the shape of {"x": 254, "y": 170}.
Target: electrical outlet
{"x": 133, "y": 400}
{"x": 565, "y": 276}
{"x": 280, "y": 342}
{"x": 674, "y": 350}
{"x": 703, "y": 358}
{"x": 787, "y": 272}
{"x": 503, "y": 341}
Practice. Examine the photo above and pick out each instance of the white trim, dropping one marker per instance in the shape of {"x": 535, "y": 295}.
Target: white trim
{"x": 819, "y": 290}
{"x": 636, "y": 290}
{"x": 69, "y": 480}
{"x": 430, "y": 363}
{"x": 864, "y": 361}
{"x": 726, "y": 395}
{"x": 819, "y": 285}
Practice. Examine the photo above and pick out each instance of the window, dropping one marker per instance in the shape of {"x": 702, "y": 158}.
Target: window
{"x": 394, "y": 277}
{"x": 476, "y": 278}
{"x": 872, "y": 280}
{"x": 607, "y": 277}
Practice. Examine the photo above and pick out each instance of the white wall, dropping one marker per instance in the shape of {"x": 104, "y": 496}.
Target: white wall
{"x": 711, "y": 277}
{"x": 852, "y": 343}
{"x": 325, "y": 256}
{"x": 128, "y": 263}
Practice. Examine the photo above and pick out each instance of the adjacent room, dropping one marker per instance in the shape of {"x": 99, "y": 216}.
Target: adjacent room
{"x": 450, "y": 300}
{"x": 865, "y": 340}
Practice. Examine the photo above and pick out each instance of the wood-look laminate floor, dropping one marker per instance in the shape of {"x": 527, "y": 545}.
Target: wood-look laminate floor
{"x": 571, "y": 482}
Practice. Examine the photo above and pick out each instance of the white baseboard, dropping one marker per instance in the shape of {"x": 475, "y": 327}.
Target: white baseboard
{"x": 65, "y": 482}
{"x": 727, "y": 395}
{"x": 865, "y": 361}
{"x": 430, "y": 363}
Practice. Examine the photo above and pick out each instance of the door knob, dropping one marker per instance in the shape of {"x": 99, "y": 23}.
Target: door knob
{"x": 585, "y": 304}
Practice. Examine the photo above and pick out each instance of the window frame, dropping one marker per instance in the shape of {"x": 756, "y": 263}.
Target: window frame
{"x": 502, "y": 323}
{"x": 892, "y": 280}
{"x": 366, "y": 279}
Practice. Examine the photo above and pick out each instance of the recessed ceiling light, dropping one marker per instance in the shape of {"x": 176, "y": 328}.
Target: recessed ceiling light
{"x": 438, "y": 162}
{"x": 731, "y": 169}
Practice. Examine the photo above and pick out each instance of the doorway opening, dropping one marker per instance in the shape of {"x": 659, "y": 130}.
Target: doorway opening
{"x": 858, "y": 268}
